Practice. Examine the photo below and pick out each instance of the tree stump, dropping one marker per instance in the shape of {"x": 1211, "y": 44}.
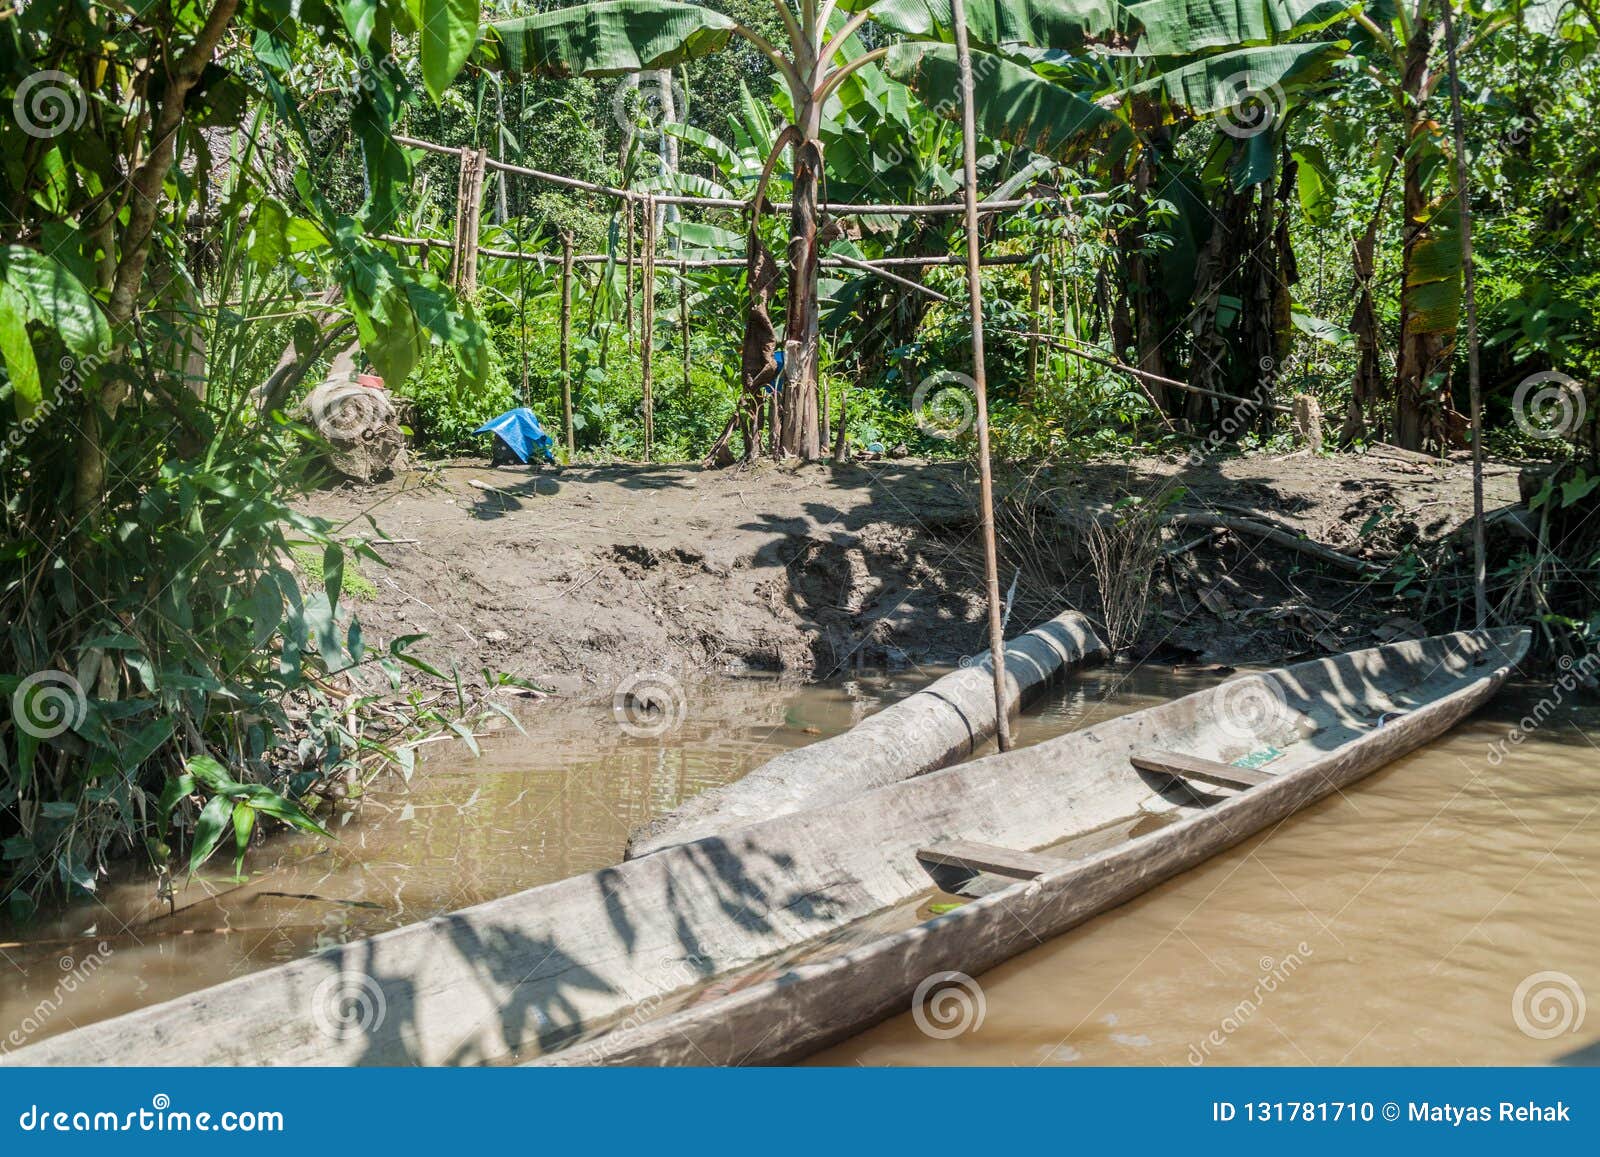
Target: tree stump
{"x": 1306, "y": 417}
{"x": 360, "y": 425}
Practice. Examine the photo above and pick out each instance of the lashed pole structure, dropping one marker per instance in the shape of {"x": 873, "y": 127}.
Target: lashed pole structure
{"x": 467, "y": 250}
{"x": 980, "y": 386}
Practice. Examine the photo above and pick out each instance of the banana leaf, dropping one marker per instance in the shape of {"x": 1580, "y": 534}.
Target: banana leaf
{"x": 1214, "y": 84}
{"x": 1010, "y": 103}
{"x": 993, "y": 25}
{"x": 611, "y": 38}
{"x": 1183, "y": 27}
{"x": 1432, "y": 290}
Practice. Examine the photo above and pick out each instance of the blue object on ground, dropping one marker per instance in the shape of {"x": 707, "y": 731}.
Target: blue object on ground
{"x": 520, "y": 430}
{"x": 776, "y": 385}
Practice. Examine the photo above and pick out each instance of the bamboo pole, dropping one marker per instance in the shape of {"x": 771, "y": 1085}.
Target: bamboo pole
{"x": 453, "y": 275}
{"x": 647, "y": 323}
{"x": 627, "y": 293}
{"x": 1033, "y": 323}
{"x": 1469, "y": 291}
{"x": 871, "y": 264}
{"x": 469, "y": 211}
{"x": 522, "y": 314}
{"x": 566, "y": 341}
{"x": 837, "y": 209}
{"x": 683, "y": 319}
{"x": 969, "y": 195}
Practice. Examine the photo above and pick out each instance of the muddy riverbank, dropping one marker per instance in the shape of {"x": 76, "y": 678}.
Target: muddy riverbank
{"x": 577, "y": 578}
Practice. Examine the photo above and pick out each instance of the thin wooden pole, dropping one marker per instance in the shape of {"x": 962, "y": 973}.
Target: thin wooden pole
{"x": 463, "y": 172}
{"x": 1033, "y": 323}
{"x": 1474, "y": 374}
{"x": 969, "y": 193}
{"x": 522, "y": 311}
{"x": 566, "y": 341}
{"x": 647, "y": 323}
{"x": 833, "y": 208}
{"x": 628, "y": 291}
{"x": 469, "y": 210}
{"x": 683, "y": 319}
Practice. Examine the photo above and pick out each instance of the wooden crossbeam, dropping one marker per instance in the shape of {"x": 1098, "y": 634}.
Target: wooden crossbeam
{"x": 1194, "y": 767}
{"x": 975, "y": 857}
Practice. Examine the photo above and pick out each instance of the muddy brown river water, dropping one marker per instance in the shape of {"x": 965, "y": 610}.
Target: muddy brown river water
{"x": 1446, "y": 911}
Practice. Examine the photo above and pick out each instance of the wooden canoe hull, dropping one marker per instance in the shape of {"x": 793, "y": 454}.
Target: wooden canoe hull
{"x": 940, "y": 725}
{"x": 598, "y": 958}
{"x": 815, "y": 1005}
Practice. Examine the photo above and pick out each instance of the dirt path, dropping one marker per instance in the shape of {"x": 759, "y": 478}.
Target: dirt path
{"x": 578, "y": 577}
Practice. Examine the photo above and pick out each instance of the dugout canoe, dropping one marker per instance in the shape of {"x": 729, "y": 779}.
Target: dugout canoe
{"x": 940, "y": 725}
{"x": 765, "y": 944}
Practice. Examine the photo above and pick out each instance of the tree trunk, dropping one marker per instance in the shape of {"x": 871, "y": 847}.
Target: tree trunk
{"x": 1149, "y": 317}
{"x": 666, "y": 145}
{"x": 798, "y": 431}
{"x": 1366, "y": 414}
{"x": 1423, "y": 359}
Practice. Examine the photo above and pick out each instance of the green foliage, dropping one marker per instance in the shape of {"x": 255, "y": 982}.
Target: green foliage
{"x": 447, "y": 407}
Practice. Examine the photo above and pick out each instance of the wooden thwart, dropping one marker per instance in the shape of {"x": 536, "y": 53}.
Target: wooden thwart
{"x": 988, "y": 858}
{"x": 1194, "y": 767}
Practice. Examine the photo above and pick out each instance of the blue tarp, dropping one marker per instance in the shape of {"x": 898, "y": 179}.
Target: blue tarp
{"x": 520, "y": 430}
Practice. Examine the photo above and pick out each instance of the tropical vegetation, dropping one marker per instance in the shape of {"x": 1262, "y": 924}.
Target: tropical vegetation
{"x": 1224, "y": 207}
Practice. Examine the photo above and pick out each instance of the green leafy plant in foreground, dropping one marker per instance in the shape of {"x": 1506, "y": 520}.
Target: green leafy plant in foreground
{"x": 232, "y": 804}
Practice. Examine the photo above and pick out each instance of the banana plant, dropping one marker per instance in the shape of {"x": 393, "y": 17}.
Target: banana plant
{"x": 1236, "y": 71}
{"x": 821, "y": 50}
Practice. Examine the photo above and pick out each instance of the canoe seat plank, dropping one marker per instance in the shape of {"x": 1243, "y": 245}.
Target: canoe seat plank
{"x": 1194, "y": 767}
{"x": 988, "y": 858}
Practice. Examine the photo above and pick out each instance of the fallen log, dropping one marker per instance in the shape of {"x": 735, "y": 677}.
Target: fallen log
{"x": 938, "y": 726}
{"x": 359, "y": 424}
{"x": 1280, "y": 535}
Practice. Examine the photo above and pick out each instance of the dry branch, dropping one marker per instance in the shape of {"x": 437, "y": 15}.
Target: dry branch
{"x": 1282, "y": 536}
